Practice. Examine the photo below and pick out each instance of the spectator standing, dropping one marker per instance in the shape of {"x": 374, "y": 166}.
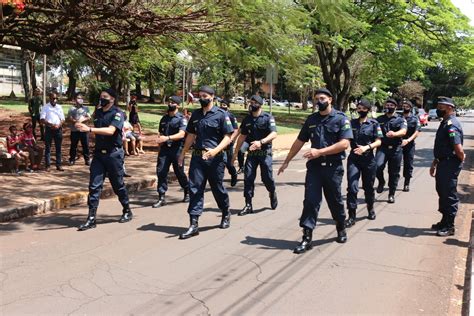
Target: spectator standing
{"x": 133, "y": 114}
{"x": 52, "y": 116}
{"x": 78, "y": 114}
{"x": 34, "y": 107}
{"x": 30, "y": 145}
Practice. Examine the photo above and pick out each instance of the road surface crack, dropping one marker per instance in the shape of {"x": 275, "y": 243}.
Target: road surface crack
{"x": 202, "y": 302}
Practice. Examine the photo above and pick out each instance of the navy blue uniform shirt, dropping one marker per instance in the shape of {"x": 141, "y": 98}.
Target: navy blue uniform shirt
{"x": 209, "y": 129}
{"x": 257, "y": 128}
{"x": 327, "y": 130}
{"x": 170, "y": 125}
{"x": 115, "y": 117}
{"x": 394, "y": 123}
{"x": 365, "y": 133}
{"x": 449, "y": 133}
{"x": 413, "y": 125}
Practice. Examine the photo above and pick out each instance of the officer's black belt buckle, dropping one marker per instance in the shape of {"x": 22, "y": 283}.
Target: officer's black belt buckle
{"x": 199, "y": 152}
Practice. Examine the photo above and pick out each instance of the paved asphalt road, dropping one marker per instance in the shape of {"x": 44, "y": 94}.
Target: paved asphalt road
{"x": 393, "y": 265}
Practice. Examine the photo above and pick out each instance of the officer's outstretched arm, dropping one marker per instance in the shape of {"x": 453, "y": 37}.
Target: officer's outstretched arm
{"x": 179, "y": 135}
{"x": 269, "y": 137}
{"x": 295, "y": 148}
{"x": 106, "y": 131}
{"x": 238, "y": 145}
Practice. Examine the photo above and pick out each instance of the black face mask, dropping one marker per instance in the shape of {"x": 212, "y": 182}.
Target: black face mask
{"x": 254, "y": 108}
{"x": 171, "y": 107}
{"x": 390, "y": 110}
{"x": 363, "y": 114}
{"x": 440, "y": 113}
{"x": 104, "y": 102}
{"x": 204, "y": 102}
{"x": 406, "y": 111}
{"x": 322, "y": 106}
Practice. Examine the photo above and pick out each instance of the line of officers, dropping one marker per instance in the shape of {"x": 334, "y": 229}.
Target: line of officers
{"x": 212, "y": 131}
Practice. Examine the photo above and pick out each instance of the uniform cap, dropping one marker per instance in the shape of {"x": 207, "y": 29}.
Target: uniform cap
{"x": 111, "y": 92}
{"x": 207, "y": 90}
{"x": 408, "y": 102}
{"x": 392, "y": 101}
{"x": 324, "y": 91}
{"x": 175, "y": 99}
{"x": 365, "y": 103}
{"x": 446, "y": 100}
{"x": 225, "y": 101}
{"x": 257, "y": 99}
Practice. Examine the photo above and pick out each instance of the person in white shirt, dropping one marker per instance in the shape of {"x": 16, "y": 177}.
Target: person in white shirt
{"x": 52, "y": 117}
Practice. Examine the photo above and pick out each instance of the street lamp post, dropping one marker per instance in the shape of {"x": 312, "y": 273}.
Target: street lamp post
{"x": 12, "y": 68}
{"x": 374, "y": 90}
{"x": 185, "y": 57}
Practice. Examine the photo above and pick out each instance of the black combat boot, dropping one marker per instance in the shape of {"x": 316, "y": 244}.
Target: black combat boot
{"x": 233, "y": 180}
{"x": 90, "y": 223}
{"x": 127, "y": 215}
{"x": 391, "y": 197}
{"x": 439, "y": 224}
{"x": 186, "y": 196}
{"x": 371, "y": 210}
{"x": 352, "y": 218}
{"x": 248, "y": 209}
{"x": 406, "y": 186}
{"x": 225, "y": 222}
{"x": 273, "y": 200}
{"x": 448, "y": 228}
{"x": 161, "y": 201}
{"x": 380, "y": 186}
{"x": 341, "y": 233}
{"x": 193, "y": 229}
{"x": 306, "y": 243}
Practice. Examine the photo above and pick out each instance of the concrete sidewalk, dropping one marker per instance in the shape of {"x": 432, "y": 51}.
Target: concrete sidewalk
{"x": 41, "y": 192}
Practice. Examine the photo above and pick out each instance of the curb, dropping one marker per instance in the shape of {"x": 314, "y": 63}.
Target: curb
{"x": 77, "y": 198}
{"x": 67, "y": 200}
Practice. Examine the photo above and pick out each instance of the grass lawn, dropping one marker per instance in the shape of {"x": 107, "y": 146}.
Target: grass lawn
{"x": 150, "y": 114}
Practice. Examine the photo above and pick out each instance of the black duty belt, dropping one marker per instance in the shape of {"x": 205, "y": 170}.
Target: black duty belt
{"x": 202, "y": 151}
{"x": 107, "y": 150}
{"x": 328, "y": 163}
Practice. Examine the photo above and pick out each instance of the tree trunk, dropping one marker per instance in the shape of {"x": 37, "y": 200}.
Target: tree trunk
{"x": 253, "y": 84}
{"x": 138, "y": 88}
{"x": 26, "y": 75}
{"x": 71, "y": 89}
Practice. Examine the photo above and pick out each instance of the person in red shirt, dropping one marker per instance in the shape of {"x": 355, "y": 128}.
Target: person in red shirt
{"x": 14, "y": 147}
{"x": 30, "y": 145}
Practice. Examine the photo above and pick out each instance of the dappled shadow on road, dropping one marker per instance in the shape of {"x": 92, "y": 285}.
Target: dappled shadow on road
{"x": 281, "y": 244}
{"x": 401, "y": 231}
{"x": 55, "y": 221}
{"x": 172, "y": 231}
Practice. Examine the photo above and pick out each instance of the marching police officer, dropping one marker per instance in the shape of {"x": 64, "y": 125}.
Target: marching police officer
{"x": 108, "y": 157}
{"x": 210, "y": 129}
{"x": 394, "y": 127}
{"x": 229, "y": 151}
{"x": 258, "y": 129}
{"x": 448, "y": 158}
{"x": 330, "y": 132}
{"x": 172, "y": 131}
{"x": 361, "y": 160}
{"x": 408, "y": 142}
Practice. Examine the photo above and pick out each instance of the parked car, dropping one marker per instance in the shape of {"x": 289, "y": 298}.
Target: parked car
{"x": 460, "y": 112}
{"x": 432, "y": 115}
{"x": 423, "y": 117}
{"x": 238, "y": 100}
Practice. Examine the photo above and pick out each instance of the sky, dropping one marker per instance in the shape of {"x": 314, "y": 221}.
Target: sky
{"x": 466, "y": 7}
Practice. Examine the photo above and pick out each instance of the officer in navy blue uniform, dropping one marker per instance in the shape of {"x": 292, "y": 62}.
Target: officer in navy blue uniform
{"x": 108, "y": 157}
{"x": 172, "y": 131}
{"x": 361, "y": 160}
{"x": 330, "y": 132}
{"x": 229, "y": 151}
{"x": 258, "y": 129}
{"x": 447, "y": 164}
{"x": 408, "y": 142}
{"x": 394, "y": 127}
{"x": 210, "y": 129}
